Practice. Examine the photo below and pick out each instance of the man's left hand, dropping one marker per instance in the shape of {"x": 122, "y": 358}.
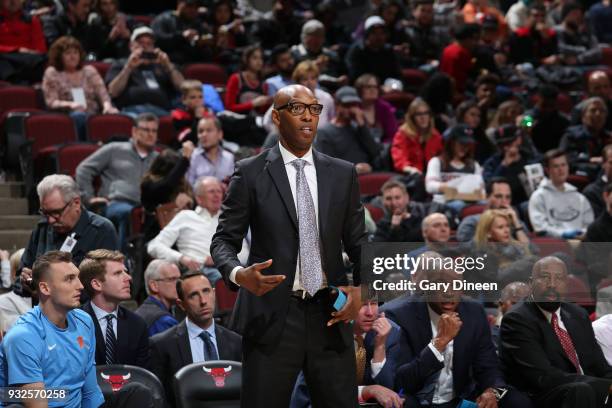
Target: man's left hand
{"x": 487, "y": 399}
{"x": 351, "y": 308}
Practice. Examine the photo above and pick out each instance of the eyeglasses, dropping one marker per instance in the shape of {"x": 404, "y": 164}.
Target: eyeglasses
{"x": 297, "y": 108}
{"x": 54, "y": 213}
{"x": 417, "y": 114}
{"x": 147, "y": 130}
{"x": 169, "y": 280}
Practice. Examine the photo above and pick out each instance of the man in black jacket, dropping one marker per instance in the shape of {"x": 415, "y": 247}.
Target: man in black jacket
{"x": 185, "y": 343}
{"x": 548, "y": 348}
{"x": 594, "y": 191}
{"x": 121, "y": 335}
{"x": 402, "y": 222}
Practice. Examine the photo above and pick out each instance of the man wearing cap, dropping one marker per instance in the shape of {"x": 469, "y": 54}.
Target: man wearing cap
{"x": 311, "y": 48}
{"x": 347, "y": 137}
{"x": 373, "y": 55}
{"x": 510, "y": 161}
{"x": 147, "y": 80}
{"x": 182, "y": 33}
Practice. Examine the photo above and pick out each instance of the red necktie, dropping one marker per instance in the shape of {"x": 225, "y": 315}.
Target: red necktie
{"x": 566, "y": 341}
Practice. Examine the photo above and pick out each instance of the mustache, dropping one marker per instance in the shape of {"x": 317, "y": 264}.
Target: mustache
{"x": 551, "y": 292}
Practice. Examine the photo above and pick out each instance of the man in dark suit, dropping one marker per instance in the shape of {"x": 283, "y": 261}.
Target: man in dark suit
{"x": 303, "y": 210}
{"x": 548, "y": 347}
{"x": 376, "y": 348}
{"x": 185, "y": 343}
{"x": 446, "y": 351}
{"x": 121, "y": 335}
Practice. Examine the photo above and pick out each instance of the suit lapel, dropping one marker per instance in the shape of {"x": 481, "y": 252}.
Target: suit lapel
{"x": 123, "y": 337}
{"x": 551, "y": 338}
{"x": 276, "y": 168}
{"x": 184, "y": 346}
{"x": 324, "y": 189}
{"x": 100, "y": 346}
{"x": 222, "y": 344}
{"x": 573, "y": 330}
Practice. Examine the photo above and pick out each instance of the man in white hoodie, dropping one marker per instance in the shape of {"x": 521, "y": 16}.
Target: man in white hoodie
{"x": 556, "y": 208}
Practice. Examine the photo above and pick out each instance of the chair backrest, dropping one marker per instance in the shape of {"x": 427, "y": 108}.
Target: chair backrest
{"x": 101, "y": 128}
{"x": 400, "y": 100}
{"x": 112, "y": 378}
{"x": 578, "y": 292}
{"x": 208, "y": 384}
{"x": 472, "y": 210}
{"x": 212, "y": 74}
{"x": 376, "y": 212}
{"x": 69, "y": 156}
{"x": 17, "y": 97}
{"x": 224, "y": 296}
{"x": 370, "y": 184}
{"x": 100, "y": 66}
{"x": 166, "y": 134}
{"x": 48, "y": 130}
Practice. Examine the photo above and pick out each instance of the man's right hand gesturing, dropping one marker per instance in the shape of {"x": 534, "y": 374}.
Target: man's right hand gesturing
{"x": 255, "y": 282}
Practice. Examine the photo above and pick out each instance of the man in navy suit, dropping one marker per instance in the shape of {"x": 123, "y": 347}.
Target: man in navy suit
{"x": 446, "y": 351}
{"x": 376, "y": 362}
{"x": 121, "y": 335}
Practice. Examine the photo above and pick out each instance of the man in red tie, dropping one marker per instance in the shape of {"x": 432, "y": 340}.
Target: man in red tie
{"x": 548, "y": 347}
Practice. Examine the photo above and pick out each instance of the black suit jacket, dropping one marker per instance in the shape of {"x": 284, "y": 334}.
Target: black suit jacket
{"x": 259, "y": 197}
{"x": 533, "y": 358}
{"x": 475, "y": 363}
{"x": 171, "y": 351}
{"x": 132, "y": 338}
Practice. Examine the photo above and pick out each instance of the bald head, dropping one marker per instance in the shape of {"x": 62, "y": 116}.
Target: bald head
{"x": 599, "y": 85}
{"x": 547, "y": 263}
{"x": 286, "y": 93}
{"x": 435, "y": 228}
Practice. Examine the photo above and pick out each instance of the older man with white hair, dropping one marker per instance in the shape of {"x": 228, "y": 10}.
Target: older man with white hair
{"x": 192, "y": 232}
{"x": 160, "y": 282}
{"x": 65, "y": 225}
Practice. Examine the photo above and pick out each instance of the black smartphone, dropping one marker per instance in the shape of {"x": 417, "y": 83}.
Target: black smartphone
{"x": 150, "y": 55}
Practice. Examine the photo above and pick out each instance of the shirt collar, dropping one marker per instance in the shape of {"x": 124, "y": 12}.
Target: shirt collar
{"x": 288, "y": 157}
{"x": 548, "y": 315}
{"x": 101, "y": 314}
{"x": 433, "y": 316}
{"x": 201, "y": 211}
{"x": 194, "y": 331}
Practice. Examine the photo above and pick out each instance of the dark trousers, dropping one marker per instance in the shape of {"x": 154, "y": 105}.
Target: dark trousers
{"x": 130, "y": 395}
{"x": 573, "y": 395}
{"x": 306, "y": 344}
{"x": 513, "y": 399}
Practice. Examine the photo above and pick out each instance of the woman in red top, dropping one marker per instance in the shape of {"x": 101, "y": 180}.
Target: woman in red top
{"x": 245, "y": 89}
{"x": 417, "y": 140}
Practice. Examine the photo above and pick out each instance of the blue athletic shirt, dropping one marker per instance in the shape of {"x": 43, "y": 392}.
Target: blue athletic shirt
{"x": 36, "y": 350}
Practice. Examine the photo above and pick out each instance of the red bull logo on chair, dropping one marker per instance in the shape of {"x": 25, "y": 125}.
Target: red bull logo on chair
{"x": 116, "y": 381}
{"x": 218, "y": 374}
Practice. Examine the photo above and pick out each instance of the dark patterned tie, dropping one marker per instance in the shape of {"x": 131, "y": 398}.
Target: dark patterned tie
{"x": 111, "y": 340}
{"x": 311, "y": 275}
{"x": 360, "y": 360}
{"x": 210, "y": 353}
{"x": 565, "y": 340}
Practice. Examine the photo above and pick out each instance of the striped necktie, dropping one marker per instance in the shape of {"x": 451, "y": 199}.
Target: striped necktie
{"x": 111, "y": 340}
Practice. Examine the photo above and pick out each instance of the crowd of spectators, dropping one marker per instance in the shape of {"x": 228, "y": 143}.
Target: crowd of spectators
{"x": 491, "y": 120}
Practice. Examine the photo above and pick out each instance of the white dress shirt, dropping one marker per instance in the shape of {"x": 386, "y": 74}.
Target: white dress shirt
{"x": 196, "y": 343}
{"x": 311, "y": 178}
{"x": 548, "y": 317}
{"x": 192, "y": 232}
{"x": 444, "y": 391}
{"x": 101, "y": 316}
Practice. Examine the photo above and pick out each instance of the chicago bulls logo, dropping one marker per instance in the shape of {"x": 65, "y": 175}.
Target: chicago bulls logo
{"x": 116, "y": 381}
{"x": 218, "y": 374}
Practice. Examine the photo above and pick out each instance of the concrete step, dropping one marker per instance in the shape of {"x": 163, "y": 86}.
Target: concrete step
{"x": 15, "y": 239}
{"x": 23, "y": 222}
{"x": 11, "y": 189}
{"x": 13, "y": 206}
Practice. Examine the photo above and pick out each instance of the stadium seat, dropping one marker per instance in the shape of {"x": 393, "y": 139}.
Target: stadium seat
{"x": 166, "y": 134}
{"x": 370, "y": 183}
{"x": 100, "y": 66}
{"x": 112, "y": 378}
{"x": 208, "y": 384}
{"x": 549, "y": 245}
{"x": 472, "y": 210}
{"x": 578, "y": 292}
{"x": 143, "y": 19}
{"x": 607, "y": 56}
{"x": 400, "y": 100}
{"x": 376, "y": 212}
{"x": 165, "y": 213}
{"x": 17, "y": 97}
{"x": 414, "y": 78}
{"x": 101, "y": 128}
{"x": 225, "y": 297}
{"x": 212, "y": 74}
{"x": 47, "y": 131}
{"x": 69, "y": 156}
{"x": 578, "y": 181}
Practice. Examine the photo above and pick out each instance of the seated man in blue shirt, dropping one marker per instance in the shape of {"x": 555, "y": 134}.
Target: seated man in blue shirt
{"x": 160, "y": 282}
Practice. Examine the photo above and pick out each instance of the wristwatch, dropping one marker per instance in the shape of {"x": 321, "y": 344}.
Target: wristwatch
{"x": 499, "y": 393}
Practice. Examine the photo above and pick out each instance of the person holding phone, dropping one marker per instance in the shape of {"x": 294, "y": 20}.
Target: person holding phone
{"x": 147, "y": 81}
